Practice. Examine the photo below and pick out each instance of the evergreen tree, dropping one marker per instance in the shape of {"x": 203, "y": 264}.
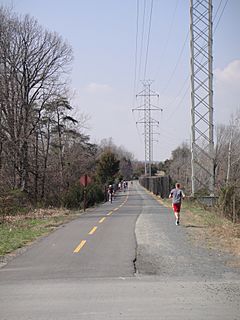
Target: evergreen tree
{"x": 107, "y": 167}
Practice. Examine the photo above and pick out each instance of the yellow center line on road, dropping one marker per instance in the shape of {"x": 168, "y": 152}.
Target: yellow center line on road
{"x": 79, "y": 247}
{"x": 133, "y": 206}
{"x": 93, "y": 230}
{"x": 101, "y": 220}
{"x": 82, "y": 243}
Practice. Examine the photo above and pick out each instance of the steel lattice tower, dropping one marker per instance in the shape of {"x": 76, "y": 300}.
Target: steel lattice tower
{"x": 148, "y": 122}
{"x": 202, "y": 96}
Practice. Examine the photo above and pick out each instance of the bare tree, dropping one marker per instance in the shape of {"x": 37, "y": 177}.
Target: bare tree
{"x": 228, "y": 167}
{"x": 32, "y": 64}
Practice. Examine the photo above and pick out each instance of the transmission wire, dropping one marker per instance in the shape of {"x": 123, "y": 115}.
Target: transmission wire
{"x": 168, "y": 37}
{"x": 219, "y": 5}
{"x": 136, "y": 53}
{"x": 221, "y": 14}
{"x": 148, "y": 40}
{"x": 141, "y": 49}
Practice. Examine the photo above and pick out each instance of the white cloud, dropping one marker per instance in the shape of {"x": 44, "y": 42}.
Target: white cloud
{"x": 97, "y": 88}
{"x": 230, "y": 75}
{"x": 227, "y": 91}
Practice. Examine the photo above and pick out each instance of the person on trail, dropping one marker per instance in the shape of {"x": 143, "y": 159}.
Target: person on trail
{"x": 110, "y": 193}
{"x": 177, "y": 195}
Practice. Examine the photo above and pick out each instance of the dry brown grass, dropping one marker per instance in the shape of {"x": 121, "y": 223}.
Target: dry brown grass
{"x": 228, "y": 236}
{"x": 37, "y": 214}
{"x": 215, "y": 232}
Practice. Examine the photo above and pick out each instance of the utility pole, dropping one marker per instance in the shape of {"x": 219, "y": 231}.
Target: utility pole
{"x": 202, "y": 145}
{"x": 229, "y": 156}
{"x": 148, "y": 122}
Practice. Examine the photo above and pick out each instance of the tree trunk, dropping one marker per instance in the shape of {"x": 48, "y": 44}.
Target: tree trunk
{"x": 36, "y": 169}
{"x": 45, "y": 159}
{"x": 25, "y": 167}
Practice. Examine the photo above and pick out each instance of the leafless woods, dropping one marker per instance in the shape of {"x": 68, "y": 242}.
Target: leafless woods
{"x": 39, "y": 139}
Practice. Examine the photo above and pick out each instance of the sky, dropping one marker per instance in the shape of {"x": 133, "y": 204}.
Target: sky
{"x": 109, "y": 64}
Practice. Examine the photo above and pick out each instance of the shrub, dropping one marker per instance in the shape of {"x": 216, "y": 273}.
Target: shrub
{"x": 95, "y": 194}
{"x": 14, "y": 202}
{"x": 229, "y": 202}
{"x": 74, "y": 198}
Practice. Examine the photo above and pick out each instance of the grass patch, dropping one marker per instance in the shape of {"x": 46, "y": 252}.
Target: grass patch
{"x": 18, "y": 231}
{"x": 202, "y": 215}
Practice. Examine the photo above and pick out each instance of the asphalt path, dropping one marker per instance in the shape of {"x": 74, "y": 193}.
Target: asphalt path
{"x": 125, "y": 260}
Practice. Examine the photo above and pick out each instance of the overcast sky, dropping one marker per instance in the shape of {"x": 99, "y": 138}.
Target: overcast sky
{"x": 103, "y": 33}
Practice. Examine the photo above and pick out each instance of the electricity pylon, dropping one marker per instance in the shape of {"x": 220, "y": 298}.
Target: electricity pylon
{"x": 202, "y": 96}
{"x": 148, "y": 122}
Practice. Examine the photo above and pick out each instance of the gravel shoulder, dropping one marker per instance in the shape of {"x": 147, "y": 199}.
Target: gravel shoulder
{"x": 168, "y": 251}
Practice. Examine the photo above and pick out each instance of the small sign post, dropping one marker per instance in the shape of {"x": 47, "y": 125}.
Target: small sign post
{"x": 84, "y": 181}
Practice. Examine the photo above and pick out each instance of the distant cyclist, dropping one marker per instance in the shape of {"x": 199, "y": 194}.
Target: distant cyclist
{"x": 125, "y": 185}
{"x": 110, "y": 193}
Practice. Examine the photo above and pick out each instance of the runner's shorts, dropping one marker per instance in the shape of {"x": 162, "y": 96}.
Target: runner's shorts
{"x": 176, "y": 207}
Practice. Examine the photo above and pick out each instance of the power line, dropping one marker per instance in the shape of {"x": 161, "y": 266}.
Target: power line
{"x": 168, "y": 36}
{"x": 148, "y": 39}
{"x": 177, "y": 63}
{"x": 180, "y": 91}
{"x": 179, "y": 104}
{"x": 221, "y": 14}
{"x": 139, "y": 135}
{"x": 136, "y": 52}
{"x": 142, "y": 38}
{"x": 219, "y": 6}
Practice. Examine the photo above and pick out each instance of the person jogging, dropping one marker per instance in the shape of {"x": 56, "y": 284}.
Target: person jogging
{"x": 177, "y": 195}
